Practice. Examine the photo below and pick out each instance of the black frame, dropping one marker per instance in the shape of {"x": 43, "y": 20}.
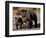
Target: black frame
{"x": 7, "y": 18}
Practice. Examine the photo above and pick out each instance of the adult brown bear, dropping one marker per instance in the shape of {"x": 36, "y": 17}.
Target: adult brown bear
{"x": 33, "y": 17}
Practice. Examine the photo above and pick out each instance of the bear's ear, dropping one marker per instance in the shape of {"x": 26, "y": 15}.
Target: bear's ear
{"x": 34, "y": 8}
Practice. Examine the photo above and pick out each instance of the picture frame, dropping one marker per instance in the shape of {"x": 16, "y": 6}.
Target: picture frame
{"x": 7, "y": 18}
